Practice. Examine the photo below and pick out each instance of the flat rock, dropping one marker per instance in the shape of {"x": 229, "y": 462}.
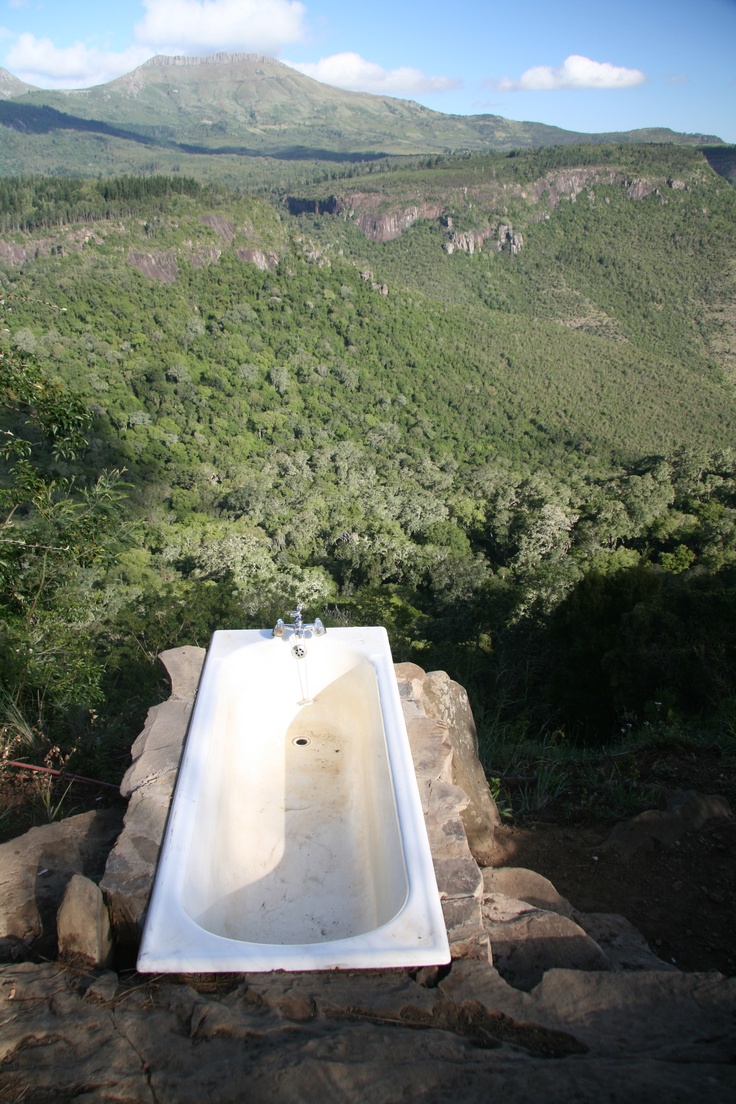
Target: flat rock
{"x": 527, "y": 941}
{"x": 623, "y": 945}
{"x": 313, "y": 1039}
{"x": 674, "y": 1017}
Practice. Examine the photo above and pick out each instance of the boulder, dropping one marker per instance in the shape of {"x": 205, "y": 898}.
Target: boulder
{"x": 623, "y": 945}
{"x": 686, "y": 810}
{"x": 447, "y": 701}
{"x": 149, "y": 784}
{"x": 527, "y": 941}
{"x": 432, "y": 740}
{"x": 83, "y": 925}
{"x": 526, "y": 885}
{"x": 35, "y": 869}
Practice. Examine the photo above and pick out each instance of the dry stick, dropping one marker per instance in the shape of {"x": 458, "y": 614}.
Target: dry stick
{"x": 59, "y": 774}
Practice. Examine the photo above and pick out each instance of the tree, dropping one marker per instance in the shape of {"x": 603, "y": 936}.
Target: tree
{"x": 56, "y": 535}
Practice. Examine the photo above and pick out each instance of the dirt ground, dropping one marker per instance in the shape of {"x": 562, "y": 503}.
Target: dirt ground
{"x": 682, "y": 899}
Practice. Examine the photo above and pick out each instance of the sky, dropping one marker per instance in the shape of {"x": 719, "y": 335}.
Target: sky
{"x": 583, "y": 65}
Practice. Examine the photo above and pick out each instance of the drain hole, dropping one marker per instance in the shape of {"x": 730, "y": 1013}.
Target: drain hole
{"x": 301, "y": 741}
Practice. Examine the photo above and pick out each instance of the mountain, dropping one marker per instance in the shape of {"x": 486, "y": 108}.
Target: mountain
{"x": 186, "y": 110}
{"x": 10, "y": 86}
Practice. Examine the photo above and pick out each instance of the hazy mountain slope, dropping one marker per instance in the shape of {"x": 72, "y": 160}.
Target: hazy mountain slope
{"x": 11, "y": 87}
{"x": 246, "y": 104}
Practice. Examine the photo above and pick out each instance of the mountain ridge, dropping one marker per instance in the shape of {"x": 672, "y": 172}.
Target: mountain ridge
{"x": 248, "y": 105}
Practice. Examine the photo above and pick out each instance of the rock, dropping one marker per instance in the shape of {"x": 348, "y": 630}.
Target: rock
{"x": 82, "y": 924}
{"x": 448, "y": 702}
{"x": 373, "y": 1037}
{"x": 527, "y": 941}
{"x": 640, "y": 188}
{"x": 220, "y": 225}
{"x": 444, "y": 803}
{"x": 183, "y": 666}
{"x": 470, "y": 1032}
{"x": 156, "y": 266}
{"x": 102, "y": 989}
{"x": 149, "y": 783}
{"x": 623, "y": 945}
{"x": 36, "y": 867}
{"x": 264, "y": 260}
{"x": 675, "y": 1017}
{"x": 526, "y": 885}
{"x": 13, "y": 949}
{"x": 686, "y": 810}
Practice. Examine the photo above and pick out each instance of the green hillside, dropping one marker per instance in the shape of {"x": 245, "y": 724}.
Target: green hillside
{"x": 328, "y": 396}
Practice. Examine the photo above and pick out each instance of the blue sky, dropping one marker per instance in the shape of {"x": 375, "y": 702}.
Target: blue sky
{"x": 584, "y": 65}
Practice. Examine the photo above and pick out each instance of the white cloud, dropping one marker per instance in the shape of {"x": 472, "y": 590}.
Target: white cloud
{"x": 350, "y": 70}
{"x": 168, "y": 27}
{"x": 37, "y": 61}
{"x": 207, "y": 26}
{"x": 575, "y": 72}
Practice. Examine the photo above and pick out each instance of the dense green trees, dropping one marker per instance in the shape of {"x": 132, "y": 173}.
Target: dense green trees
{"x": 58, "y": 537}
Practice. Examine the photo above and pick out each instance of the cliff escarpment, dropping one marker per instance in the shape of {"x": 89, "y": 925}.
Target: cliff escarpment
{"x": 475, "y": 213}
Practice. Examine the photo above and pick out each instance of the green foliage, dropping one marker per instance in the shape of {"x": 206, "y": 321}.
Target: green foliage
{"x": 57, "y": 538}
{"x": 643, "y": 645}
{"x": 33, "y": 203}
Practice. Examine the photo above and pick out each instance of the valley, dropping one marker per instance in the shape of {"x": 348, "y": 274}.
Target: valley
{"x": 485, "y": 399}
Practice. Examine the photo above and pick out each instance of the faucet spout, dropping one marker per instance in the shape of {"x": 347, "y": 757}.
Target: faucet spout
{"x": 299, "y": 628}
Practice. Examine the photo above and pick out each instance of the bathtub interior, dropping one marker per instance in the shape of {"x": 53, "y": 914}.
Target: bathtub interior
{"x": 296, "y": 837}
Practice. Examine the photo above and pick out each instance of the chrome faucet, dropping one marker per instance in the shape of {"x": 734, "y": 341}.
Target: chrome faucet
{"x": 299, "y": 628}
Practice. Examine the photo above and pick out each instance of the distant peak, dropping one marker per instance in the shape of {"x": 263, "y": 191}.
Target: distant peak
{"x": 11, "y": 86}
{"x": 211, "y": 59}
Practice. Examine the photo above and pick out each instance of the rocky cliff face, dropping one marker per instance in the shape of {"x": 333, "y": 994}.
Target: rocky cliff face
{"x": 383, "y": 217}
{"x": 156, "y": 264}
{"x": 502, "y": 238}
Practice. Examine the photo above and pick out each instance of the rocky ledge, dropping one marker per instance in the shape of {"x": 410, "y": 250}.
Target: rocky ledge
{"x": 541, "y": 1002}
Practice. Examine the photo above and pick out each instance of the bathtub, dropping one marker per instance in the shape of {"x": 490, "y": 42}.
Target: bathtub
{"x": 296, "y": 838}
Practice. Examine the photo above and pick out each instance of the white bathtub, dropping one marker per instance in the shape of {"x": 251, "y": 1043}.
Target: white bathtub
{"x": 296, "y": 838}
